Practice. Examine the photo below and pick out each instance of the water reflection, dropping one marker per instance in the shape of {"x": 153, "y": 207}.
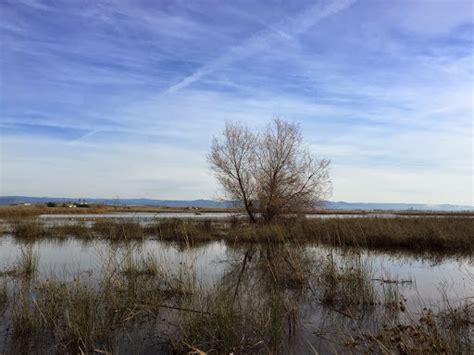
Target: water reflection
{"x": 212, "y": 260}
{"x": 311, "y": 295}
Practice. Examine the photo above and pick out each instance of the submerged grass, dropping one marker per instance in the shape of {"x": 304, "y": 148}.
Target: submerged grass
{"x": 29, "y": 228}
{"x": 347, "y": 285}
{"x": 253, "y": 308}
{"x": 26, "y": 265}
{"x": 219, "y": 324}
{"x": 287, "y": 266}
{"x": 392, "y": 298}
{"x": 258, "y": 306}
{"x": 183, "y": 230}
{"x": 117, "y": 229}
{"x": 87, "y": 322}
{"x": 25, "y": 321}
{"x": 3, "y": 295}
{"x": 79, "y": 230}
{"x": 78, "y": 317}
{"x": 147, "y": 265}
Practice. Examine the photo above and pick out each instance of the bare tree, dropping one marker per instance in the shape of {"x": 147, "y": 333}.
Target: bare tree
{"x": 289, "y": 178}
{"x": 271, "y": 173}
{"x": 232, "y": 160}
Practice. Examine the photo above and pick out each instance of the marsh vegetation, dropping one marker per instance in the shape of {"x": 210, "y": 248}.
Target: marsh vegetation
{"x": 177, "y": 286}
{"x": 414, "y": 234}
{"x": 232, "y": 285}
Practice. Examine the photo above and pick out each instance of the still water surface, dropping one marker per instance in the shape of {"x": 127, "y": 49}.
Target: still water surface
{"x": 427, "y": 276}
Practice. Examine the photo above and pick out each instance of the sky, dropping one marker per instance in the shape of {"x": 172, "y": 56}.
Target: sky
{"x": 122, "y": 98}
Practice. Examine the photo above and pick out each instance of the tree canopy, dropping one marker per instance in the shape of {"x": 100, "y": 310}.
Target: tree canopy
{"x": 270, "y": 172}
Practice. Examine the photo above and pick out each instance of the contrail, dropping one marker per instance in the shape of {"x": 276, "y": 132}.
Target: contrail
{"x": 261, "y": 40}
{"x": 86, "y": 135}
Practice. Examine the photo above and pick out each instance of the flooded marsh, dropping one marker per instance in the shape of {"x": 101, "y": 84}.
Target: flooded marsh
{"x": 176, "y": 286}
{"x": 452, "y": 235}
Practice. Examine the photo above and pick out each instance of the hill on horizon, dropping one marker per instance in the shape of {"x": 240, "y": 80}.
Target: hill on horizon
{"x": 204, "y": 203}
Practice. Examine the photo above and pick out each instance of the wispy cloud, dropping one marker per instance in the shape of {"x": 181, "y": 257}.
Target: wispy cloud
{"x": 384, "y": 89}
{"x": 267, "y": 37}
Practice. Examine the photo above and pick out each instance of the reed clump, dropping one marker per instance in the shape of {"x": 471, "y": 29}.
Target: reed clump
{"x": 117, "y": 229}
{"x": 392, "y": 299}
{"x": 147, "y": 265}
{"x": 183, "y": 230}
{"x": 3, "y": 295}
{"x": 76, "y": 315}
{"x": 26, "y": 265}
{"x": 26, "y": 320}
{"x": 27, "y": 229}
{"x": 78, "y": 230}
{"x": 347, "y": 285}
{"x": 87, "y": 321}
{"x": 220, "y": 324}
{"x": 287, "y": 266}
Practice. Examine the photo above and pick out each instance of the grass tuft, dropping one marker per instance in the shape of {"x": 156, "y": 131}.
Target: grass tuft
{"x": 182, "y": 230}
{"x": 3, "y": 295}
{"x": 347, "y": 285}
{"x": 25, "y": 318}
{"x": 28, "y": 229}
{"x": 221, "y": 325}
{"x": 27, "y": 263}
{"x": 117, "y": 229}
{"x": 147, "y": 265}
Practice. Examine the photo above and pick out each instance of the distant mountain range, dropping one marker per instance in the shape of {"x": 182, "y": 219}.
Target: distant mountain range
{"x": 8, "y": 200}
{"x": 339, "y": 205}
{"x": 370, "y": 206}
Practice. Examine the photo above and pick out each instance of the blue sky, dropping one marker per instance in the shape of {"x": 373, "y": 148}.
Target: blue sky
{"x": 122, "y": 98}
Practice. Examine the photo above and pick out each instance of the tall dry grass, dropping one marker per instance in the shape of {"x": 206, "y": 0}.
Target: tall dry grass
{"x": 117, "y": 229}
{"x": 415, "y": 234}
{"x": 86, "y": 317}
{"x": 183, "y": 230}
{"x": 219, "y": 324}
{"x": 446, "y": 234}
{"x": 347, "y": 285}
{"x": 25, "y": 266}
{"x": 20, "y": 211}
{"x": 28, "y": 228}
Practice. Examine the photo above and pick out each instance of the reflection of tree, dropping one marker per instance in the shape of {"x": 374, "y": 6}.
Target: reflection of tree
{"x": 278, "y": 275}
{"x": 282, "y": 267}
